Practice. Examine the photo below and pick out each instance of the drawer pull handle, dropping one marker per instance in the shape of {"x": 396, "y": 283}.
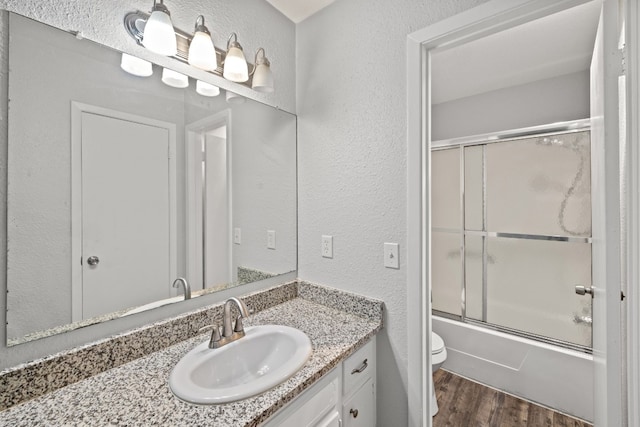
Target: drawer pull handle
{"x": 354, "y": 412}
{"x": 361, "y": 368}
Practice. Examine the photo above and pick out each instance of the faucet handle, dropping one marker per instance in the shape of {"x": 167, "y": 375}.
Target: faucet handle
{"x": 238, "y": 327}
{"x": 215, "y": 331}
{"x": 206, "y": 328}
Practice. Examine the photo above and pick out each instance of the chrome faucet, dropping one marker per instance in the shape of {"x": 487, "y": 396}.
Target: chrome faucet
{"x": 185, "y": 286}
{"x": 227, "y": 329}
{"x": 230, "y": 332}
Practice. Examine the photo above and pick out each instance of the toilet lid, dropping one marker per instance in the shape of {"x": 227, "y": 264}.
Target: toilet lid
{"x": 437, "y": 344}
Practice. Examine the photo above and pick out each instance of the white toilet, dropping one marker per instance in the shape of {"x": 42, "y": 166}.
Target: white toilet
{"x": 438, "y": 356}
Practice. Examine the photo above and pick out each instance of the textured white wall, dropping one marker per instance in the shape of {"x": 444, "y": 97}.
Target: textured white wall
{"x": 351, "y": 103}
{"x": 263, "y": 148}
{"x": 557, "y": 99}
{"x": 257, "y": 24}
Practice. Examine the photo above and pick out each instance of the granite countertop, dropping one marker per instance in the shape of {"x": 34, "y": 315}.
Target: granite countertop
{"x": 137, "y": 393}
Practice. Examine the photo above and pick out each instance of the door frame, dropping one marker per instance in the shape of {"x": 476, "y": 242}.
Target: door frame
{"x": 486, "y": 19}
{"x": 77, "y": 108}
{"x": 194, "y": 251}
{"x": 632, "y": 180}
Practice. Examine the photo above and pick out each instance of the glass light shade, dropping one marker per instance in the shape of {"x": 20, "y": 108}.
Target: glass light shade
{"x": 202, "y": 54}
{"x": 234, "y": 98}
{"x": 235, "y": 66}
{"x": 159, "y": 36}
{"x": 174, "y": 78}
{"x": 206, "y": 89}
{"x": 136, "y": 66}
{"x": 262, "y": 79}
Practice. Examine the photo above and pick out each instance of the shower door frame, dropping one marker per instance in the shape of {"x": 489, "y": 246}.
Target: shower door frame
{"x": 560, "y": 128}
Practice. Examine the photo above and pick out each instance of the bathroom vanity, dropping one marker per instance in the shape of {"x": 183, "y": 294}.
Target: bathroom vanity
{"x": 337, "y": 382}
{"x": 347, "y": 394}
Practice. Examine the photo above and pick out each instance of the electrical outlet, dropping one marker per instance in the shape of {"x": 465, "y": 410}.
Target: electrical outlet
{"x": 237, "y": 236}
{"x": 327, "y": 246}
{"x": 391, "y": 259}
{"x": 271, "y": 239}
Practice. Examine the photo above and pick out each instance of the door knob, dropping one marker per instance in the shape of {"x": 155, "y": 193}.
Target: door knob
{"x": 93, "y": 260}
{"x": 581, "y": 290}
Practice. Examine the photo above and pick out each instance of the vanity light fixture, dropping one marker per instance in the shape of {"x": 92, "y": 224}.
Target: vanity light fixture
{"x": 235, "y": 65}
{"x": 202, "y": 54}
{"x": 136, "y": 66}
{"x": 159, "y": 35}
{"x": 197, "y": 49}
{"x": 174, "y": 78}
{"x": 262, "y": 75}
{"x": 206, "y": 89}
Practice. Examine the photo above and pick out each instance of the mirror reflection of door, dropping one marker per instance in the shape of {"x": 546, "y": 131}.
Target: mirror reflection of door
{"x": 208, "y": 249}
{"x": 125, "y": 212}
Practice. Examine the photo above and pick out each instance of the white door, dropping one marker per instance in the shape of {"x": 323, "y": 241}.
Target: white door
{"x": 125, "y": 214}
{"x": 217, "y": 252}
{"x": 605, "y": 71}
{"x": 208, "y": 202}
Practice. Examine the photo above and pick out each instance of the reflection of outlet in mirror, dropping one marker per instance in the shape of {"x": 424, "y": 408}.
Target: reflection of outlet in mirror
{"x": 327, "y": 246}
{"x": 237, "y": 236}
{"x": 391, "y": 259}
{"x": 271, "y": 239}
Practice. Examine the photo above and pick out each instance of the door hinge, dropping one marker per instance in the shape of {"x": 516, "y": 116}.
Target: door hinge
{"x": 622, "y": 296}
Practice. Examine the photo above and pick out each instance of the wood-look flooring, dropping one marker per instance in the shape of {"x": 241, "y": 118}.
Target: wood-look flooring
{"x": 465, "y": 403}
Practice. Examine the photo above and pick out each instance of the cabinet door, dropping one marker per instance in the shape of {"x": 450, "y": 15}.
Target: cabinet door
{"x": 360, "y": 409}
{"x": 331, "y": 420}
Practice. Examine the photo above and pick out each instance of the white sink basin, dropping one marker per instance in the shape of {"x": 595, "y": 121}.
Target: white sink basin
{"x": 265, "y": 357}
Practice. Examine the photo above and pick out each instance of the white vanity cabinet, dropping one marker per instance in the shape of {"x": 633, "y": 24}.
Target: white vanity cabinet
{"x": 344, "y": 397}
{"x": 359, "y": 388}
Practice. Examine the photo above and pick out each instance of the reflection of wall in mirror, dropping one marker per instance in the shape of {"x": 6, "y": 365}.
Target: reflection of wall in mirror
{"x": 263, "y": 183}
{"x": 264, "y": 188}
{"x": 39, "y": 226}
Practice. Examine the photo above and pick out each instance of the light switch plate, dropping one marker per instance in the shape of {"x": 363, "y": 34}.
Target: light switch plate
{"x": 271, "y": 239}
{"x": 391, "y": 259}
{"x": 237, "y": 236}
{"x": 327, "y": 246}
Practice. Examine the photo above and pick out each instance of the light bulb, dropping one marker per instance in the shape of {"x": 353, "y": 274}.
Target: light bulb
{"x": 174, "y": 78}
{"x": 136, "y": 66}
{"x": 159, "y": 35}
{"x": 202, "y": 53}
{"x": 206, "y": 89}
{"x": 262, "y": 76}
{"x": 234, "y": 98}
{"x": 235, "y": 66}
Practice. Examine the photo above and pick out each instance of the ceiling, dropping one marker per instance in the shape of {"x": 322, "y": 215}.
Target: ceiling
{"x": 299, "y": 10}
{"x": 552, "y": 46}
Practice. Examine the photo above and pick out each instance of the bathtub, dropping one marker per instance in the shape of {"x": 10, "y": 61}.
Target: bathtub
{"x": 552, "y": 376}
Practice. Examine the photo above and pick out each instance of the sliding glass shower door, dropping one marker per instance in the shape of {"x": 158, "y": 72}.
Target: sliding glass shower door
{"x": 511, "y": 235}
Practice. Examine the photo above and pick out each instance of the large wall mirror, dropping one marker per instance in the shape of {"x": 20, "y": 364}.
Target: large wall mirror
{"x": 118, "y": 185}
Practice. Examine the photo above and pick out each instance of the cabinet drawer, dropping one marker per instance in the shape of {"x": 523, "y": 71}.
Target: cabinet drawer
{"x": 360, "y": 409}
{"x": 312, "y": 406}
{"x": 359, "y": 367}
{"x": 331, "y": 420}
